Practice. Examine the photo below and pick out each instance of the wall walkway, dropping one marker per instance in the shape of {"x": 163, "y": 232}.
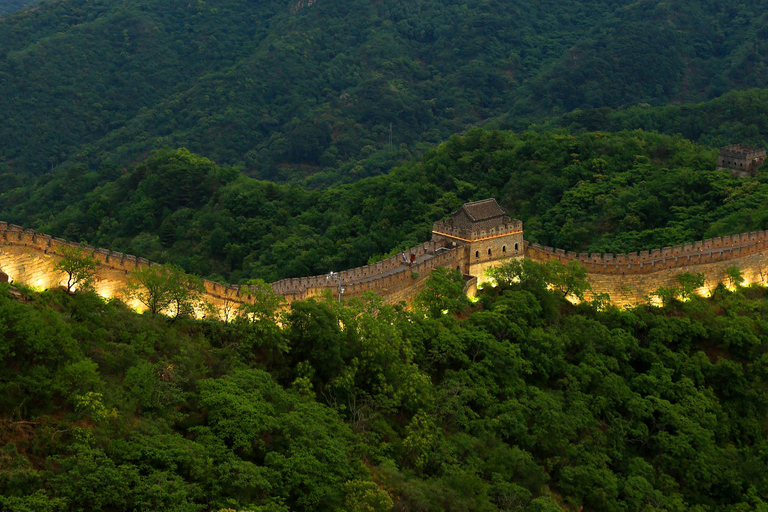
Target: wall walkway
{"x": 629, "y": 278}
{"x": 28, "y": 257}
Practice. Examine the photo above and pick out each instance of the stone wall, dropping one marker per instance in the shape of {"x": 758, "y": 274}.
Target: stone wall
{"x": 630, "y": 278}
{"x": 29, "y": 257}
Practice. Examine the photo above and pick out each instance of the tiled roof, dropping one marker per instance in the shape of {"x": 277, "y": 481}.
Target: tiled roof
{"x": 482, "y": 210}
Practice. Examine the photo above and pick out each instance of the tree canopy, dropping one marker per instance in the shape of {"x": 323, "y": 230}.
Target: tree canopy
{"x": 283, "y": 90}
{"x": 520, "y": 402}
{"x": 589, "y": 192}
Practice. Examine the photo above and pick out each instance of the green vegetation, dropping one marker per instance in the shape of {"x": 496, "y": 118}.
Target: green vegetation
{"x": 284, "y": 90}
{"x": 79, "y": 267}
{"x": 739, "y": 116}
{"x": 522, "y": 402}
{"x": 11, "y": 6}
{"x": 166, "y": 289}
{"x": 594, "y": 192}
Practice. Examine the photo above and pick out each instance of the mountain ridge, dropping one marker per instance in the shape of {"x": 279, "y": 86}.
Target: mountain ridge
{"x": 317, "y": 89}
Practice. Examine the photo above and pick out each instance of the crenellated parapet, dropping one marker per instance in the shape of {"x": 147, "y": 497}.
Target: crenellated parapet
{"x": 448, "y": 229}
{"x": 29, "y": 257}
{"x": 476, "y": 238}
{"x": 645, "y": 262}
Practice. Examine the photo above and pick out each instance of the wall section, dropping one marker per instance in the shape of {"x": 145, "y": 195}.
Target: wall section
{"x": 630, "y": 278}
{"x": 29, "y": 257}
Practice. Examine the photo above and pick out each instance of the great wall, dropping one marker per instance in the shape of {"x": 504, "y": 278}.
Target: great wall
{"x": 476, "y": 236}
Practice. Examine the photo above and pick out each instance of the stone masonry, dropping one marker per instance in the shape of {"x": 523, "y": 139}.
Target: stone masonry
{"x": 475, "y": 237}
{"x": 743, "y": 161}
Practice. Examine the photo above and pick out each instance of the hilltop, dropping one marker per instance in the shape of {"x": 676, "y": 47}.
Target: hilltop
{"x": 284, "y": 90}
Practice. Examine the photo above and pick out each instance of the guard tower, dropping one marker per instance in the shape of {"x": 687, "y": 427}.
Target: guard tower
{"x": 488, "y": 235}
{"x": 742, "y": 160}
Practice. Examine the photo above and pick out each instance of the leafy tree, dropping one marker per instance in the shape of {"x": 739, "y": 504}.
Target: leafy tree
{"x": 365, "y": 496}
{"x": 664, "y": 295}
{"x": 689, "y": 283}
{"x": 734, "y": 276}
{"x": 524, "y": 273}
{"x": 165, "y": 288}
{"x": 78, "y": 265}
{"x": 443, "y": 293}
{"x": 569, "y": 279}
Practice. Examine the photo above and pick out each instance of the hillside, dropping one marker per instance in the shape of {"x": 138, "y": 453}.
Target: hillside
{"x": 11, "y": 6}
{"x": 518, "y": 403}
{"x": 738, "y": 116}
{"x": 594, "y": 192}
{"x": 284, "y": 90}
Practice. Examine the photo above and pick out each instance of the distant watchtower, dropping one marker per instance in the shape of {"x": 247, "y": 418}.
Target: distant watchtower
{"x": 486, "y": 232}
{"x": 742, "y": 160}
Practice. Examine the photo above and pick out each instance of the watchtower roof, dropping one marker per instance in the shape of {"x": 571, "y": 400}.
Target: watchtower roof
{"x": 481, "y": 210}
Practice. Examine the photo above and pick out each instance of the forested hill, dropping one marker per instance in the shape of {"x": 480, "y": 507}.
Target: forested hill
{"x": 286, "y": 88}
{"x": 738, "y": 116}
{"x": 595, "y": 192}
{"x": 11, "y": 6}
{"x": 521, "y": 403}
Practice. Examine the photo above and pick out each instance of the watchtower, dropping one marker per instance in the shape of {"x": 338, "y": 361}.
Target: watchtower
{"x": 485, "y": 231}
{"x": 742, "y": 160}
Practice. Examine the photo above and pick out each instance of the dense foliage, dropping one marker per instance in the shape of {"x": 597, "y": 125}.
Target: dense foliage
{"x": 737, "y": 117}
{"x": 522, "y": 402}
{"x": 592, "y": 192}
{"x": 10, "y": 6}
{"x": 290, "y": 88}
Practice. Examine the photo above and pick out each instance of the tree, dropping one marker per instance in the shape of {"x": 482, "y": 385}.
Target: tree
{"x": 78, "y": 265}
{"x": 165, "y": 289}
{"x": 664, "y": 295}
{"x": 524, "y": 274}
{"x": 260, "y": 320}
{"x": 689, "y": 283}
{"x": 734, "y": 276}
{"x": 443, "y": 292}
{"x": 570, "y": 279}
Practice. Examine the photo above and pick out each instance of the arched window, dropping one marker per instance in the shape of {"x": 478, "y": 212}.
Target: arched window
{"x": 515, "y": 247}
{"x": 489, "y": 251}
{"x": 458, "y": 267}
{"x": 477, "y": 254}
{"x": 503, "y": 248}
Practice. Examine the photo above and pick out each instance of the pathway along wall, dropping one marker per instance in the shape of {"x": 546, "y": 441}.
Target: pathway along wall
{"x": 28, "y": 257}
{"x": 629, "y": 278}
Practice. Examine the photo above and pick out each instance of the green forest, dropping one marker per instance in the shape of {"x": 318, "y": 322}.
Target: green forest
{"x": 289, "y": 89}
{"x": 738, "y": 116}
{"x": 11, "y": 6}
{"x": 519, "y": 402}
{"x": 592, "y": 192}
{"x": 249, "y": 141}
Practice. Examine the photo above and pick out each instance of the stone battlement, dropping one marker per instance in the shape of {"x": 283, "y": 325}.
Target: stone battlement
{"x": 645, "y": 262}
{"x": 742, "y": 151}
{"x": 742, "y": 160}
{"x": 29, "y": 257}
{"x": 446, "y": 228}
